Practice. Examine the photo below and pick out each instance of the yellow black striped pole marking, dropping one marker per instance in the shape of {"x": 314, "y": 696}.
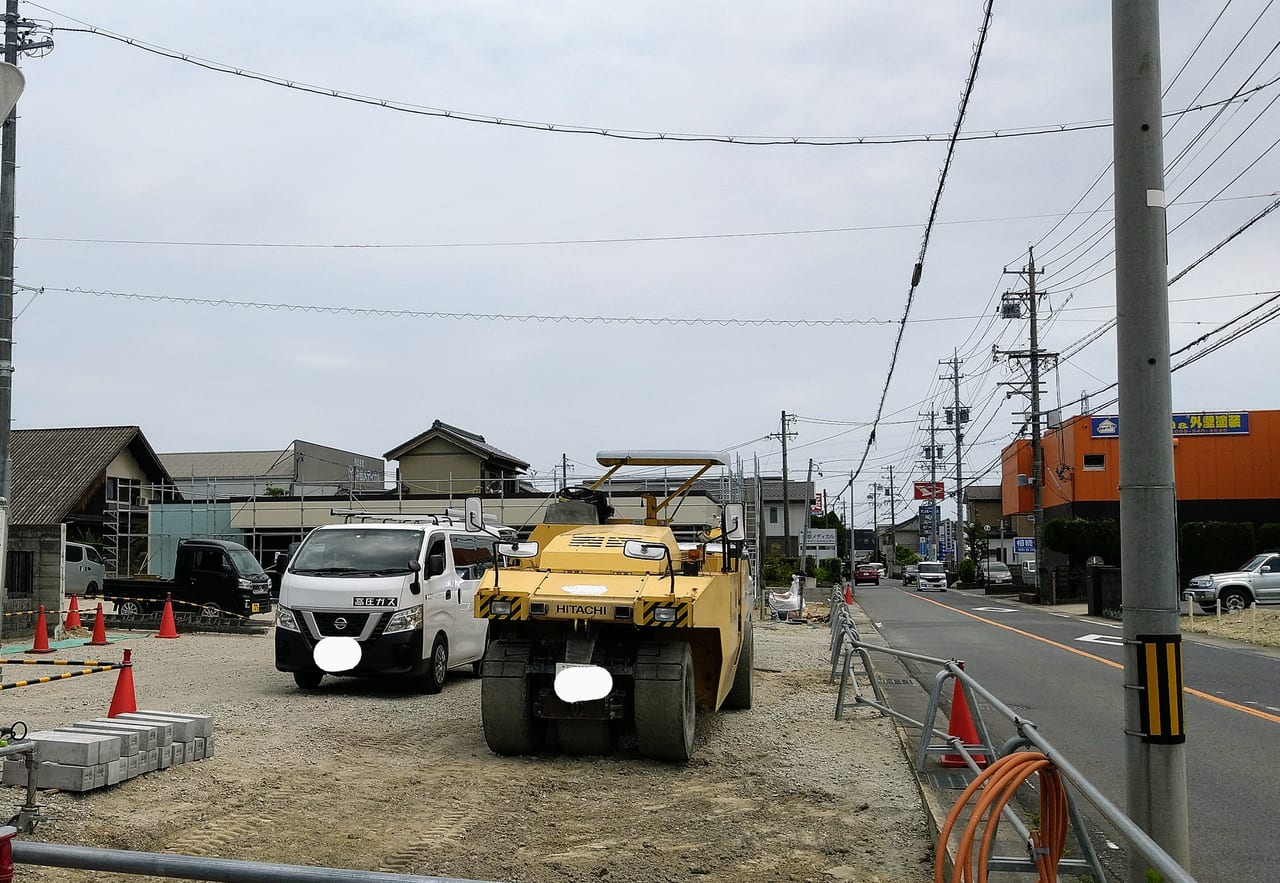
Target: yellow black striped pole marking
{"x": 55, "y": 662}
{"x": 1160, "y": 677}
{"x": 683, "y": 611}
{"x": 62, "y": 677}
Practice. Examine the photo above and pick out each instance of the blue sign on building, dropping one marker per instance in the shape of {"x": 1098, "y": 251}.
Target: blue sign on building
{"x": 1203, "y": 423}
{"x": 1024, "y": 545}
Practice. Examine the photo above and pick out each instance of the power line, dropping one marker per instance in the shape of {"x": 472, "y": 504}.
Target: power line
{"x": 600, "y": 131}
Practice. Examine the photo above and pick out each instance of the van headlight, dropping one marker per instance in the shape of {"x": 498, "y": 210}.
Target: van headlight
{"x": 404, "y": 620}
{"x": 286, "y": 620}
{"x": 245, "y": 585}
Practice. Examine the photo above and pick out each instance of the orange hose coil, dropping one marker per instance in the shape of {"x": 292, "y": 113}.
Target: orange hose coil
{"x": 997, "y": 784}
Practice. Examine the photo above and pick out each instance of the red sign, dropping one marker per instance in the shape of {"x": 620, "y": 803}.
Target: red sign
{"x": 929, "y": 490}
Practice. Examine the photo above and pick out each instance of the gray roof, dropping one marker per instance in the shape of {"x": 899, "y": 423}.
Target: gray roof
{"x": 982, "y": 492}
{"x": 55, "y": 469}
{"x": 470, "y": 441}
{"x": 797, "y": 491}
{"x": 228, "y": 464}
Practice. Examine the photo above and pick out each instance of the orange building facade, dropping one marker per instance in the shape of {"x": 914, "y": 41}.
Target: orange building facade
{"x": 1226, "y": 468}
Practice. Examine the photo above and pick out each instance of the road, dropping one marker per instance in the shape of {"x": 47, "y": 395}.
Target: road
{"x": 1064, "y": 672}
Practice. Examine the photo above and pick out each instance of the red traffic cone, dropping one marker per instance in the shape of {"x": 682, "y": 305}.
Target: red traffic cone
{"x": 73, "y": 615}
{"x": 168, "y": 629}
{"x": 123, "y": 700}
{"x": 99, "y": 638}
{"x": 848, "y": 593}
{"x": 961, "y": 726}
{"x": 41, "y": 642}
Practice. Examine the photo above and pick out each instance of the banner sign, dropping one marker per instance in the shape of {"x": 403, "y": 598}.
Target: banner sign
{"x": 929, "y": 490}
{"x": 820, "y": 537}
{"x": 1203, "y": 423}
{"x": 1024, "y": 545}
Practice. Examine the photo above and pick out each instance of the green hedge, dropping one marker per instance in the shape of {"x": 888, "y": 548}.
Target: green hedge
{"x": 1214, "y": 546}
{"x": 1080, "y": 538}
{"x": 1269, "y": 537}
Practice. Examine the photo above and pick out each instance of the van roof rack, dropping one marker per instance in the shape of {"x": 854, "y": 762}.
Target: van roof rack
{"x": 446, "y": 517}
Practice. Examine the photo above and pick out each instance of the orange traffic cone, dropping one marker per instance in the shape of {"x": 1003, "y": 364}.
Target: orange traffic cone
{"x": 167, "y": 627}
{"x": 73, "y": 615}
{"x": 41, "y": 642}
{"x": 123, "y": 700}
{"x": 961, "y": 726}
{"x": 99, "y": 638}
{"x": 848, "y": 593}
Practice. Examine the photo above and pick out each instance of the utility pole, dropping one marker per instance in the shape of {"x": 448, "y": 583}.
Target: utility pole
{"x": 875, "y": 520}
{"x": 784, "y": 434}
{"x": 16, "y": 31}
{"x": 931, "y": 455}
{"x": 808, "y": 520}
{"x": 893, "y": 521}
{"x": 957, "y": 417}
{"x": 1155, "y": 736}
{"x": 564, "y": 471}
{"x": 1011, "y": 308}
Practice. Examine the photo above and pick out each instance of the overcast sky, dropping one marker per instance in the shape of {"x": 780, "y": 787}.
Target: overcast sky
{"x": 116, "y": 143}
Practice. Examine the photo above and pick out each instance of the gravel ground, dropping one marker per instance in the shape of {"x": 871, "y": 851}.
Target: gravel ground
{"x": 363, "y": 775}
{"x": 1258, "y": 625}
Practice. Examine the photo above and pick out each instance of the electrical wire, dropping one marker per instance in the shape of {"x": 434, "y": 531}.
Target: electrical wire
{"x": 576, "y": 129}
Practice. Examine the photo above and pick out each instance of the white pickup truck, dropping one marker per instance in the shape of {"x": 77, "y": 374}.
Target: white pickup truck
{"x": 1257, "y": 580}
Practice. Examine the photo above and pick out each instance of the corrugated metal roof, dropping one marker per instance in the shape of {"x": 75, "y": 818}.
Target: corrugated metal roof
{"x": 54, "y": 468}
{"x": 228, "y": 464}
{"x": 461, "y": 437}
{"x": 797, "y": 491}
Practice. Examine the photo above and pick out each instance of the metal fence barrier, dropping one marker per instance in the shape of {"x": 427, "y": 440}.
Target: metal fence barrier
{"x": 846, "y": 643}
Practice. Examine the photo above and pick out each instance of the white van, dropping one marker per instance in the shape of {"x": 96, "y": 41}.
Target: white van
{"x": 82, "y": 570}
{"x": 388, "y": 598}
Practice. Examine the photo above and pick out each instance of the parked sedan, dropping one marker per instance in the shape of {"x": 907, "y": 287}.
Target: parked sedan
{"x": 996, "y": 573}
{"x": 866, "y": 573}
{"x": 911, "y": 575}
{"x": 881, "y": 569}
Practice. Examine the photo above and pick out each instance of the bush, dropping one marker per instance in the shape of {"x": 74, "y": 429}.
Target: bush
{"x": 968, "y": 571}
{"x": 1268, "y": 537}
{"x": 1080, "y": 538}
{"x": 1214, "y": 546}
{"x": 831, "y": 570}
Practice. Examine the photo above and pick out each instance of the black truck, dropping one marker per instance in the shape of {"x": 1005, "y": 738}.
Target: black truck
{"x": 216, "y": 577}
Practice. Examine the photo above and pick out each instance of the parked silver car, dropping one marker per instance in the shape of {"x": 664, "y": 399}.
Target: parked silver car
{"x": 996, "y": 573}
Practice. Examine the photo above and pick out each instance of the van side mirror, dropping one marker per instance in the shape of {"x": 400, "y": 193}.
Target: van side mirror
{"x": 435, "y": 565}
{"x": 415, "y": 568}
{"x": 282, "y": 561}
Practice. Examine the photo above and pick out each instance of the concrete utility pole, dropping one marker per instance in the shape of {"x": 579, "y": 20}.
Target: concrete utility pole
{"x": 958, "y": 418}
{"x": 875, "y": 520}
{"x": 808, "y": 519}
{"x": 564, "y": 472}
{"x": 784, "y": 434}
{"x": 893, "y": 521}
{"x": 1155, "y": 751}
{"x": 1010, "y": 308}
{"x": 931, "y": 454}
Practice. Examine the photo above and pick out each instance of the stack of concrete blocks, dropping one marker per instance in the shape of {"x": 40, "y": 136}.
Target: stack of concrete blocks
{"x": 104, "y": 751}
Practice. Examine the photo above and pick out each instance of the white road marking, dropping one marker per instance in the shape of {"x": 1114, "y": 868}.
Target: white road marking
{"x": 1109, "y": 640}
{"x": 1063, "y": 615}
{"x": 996, "y": 609}
{"x": 1106, "y": 625}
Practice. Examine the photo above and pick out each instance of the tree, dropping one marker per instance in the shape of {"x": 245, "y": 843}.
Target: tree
{"x": 975, "y": 540}
{"x": 905, "y": 556}
{"x": 1080, "y": 539}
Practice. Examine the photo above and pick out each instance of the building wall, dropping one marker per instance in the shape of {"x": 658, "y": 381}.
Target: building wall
{"x": 440, "y": 467}
{"x": 171, "y": 522}
{"x": 125, "y": 466}
{"x": 45, "y": 544}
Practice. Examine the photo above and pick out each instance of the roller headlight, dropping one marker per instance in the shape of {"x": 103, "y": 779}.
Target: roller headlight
{"x": 500, "y": 608}
{"x": 285, "y": 619}
{"x": 664, "y": 614}
{"x": 404, "y": 621}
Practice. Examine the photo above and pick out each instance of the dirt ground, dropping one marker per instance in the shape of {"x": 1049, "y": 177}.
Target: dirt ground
{"x": 1259, "y": 625}
{"x": 364, "y": 775}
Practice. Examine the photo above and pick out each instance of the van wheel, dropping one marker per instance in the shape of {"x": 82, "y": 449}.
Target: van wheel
{"x": 741, "y": 693}
{"x": 432, "y": 680}
{"x": 308, "y": 679}
{"x": 129, "y": 608}
{"x": 665, "y": 710}
{"x": 91, "y": 590}
{"x": 211, "y": 609}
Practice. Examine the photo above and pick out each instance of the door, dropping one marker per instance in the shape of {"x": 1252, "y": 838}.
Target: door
{"x": 439, "y": 597}
{"x": 212, "y": 578}
{"x": 74, "y": 568}
{"x": 1267, "y": 582}
{"x": 472, "y": 557}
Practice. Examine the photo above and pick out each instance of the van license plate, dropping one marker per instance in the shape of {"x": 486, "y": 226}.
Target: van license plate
{"x": 254, "y": 608}
{"x": 373, "y": 602}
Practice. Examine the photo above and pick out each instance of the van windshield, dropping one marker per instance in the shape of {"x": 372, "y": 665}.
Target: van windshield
{"x": 244, "y": 562}
{"x": 376, "y": 551}
{"x": 931, "y": 567}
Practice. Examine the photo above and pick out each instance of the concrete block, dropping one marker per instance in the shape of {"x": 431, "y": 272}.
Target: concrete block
{"x": 166, "y": 756}
{"x": 128, "y": 741}
{"x": 55, "y": 775}
{"x": 164, "y": 729}
{"x": 153, "y": 760}
{"x": 183, "y": 730}
{"x": 199, "y": 748}
{"x": 148, "y": 737}
{"x": 136, "y": 764}
{"x": 75, "y": 749}
{"x": 179, "y": 753}
{"x": 117, "y": 771}
{"x": 15, "y": 772}
{"x": 99, "y": 775}
{"x": 191, "y": 751}
{"x": 202, "y": 723}
{"x": 208, "y": 745}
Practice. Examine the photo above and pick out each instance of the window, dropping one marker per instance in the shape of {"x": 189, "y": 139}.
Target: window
{"x": 773, "y": 514}
{"x": 1095, "y": 462}
{"x": 74, "y": 554}
{"x": 472, "y": 555}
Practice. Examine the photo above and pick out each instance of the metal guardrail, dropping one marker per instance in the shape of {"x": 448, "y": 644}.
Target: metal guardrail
{"x": 846, "y": 643}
